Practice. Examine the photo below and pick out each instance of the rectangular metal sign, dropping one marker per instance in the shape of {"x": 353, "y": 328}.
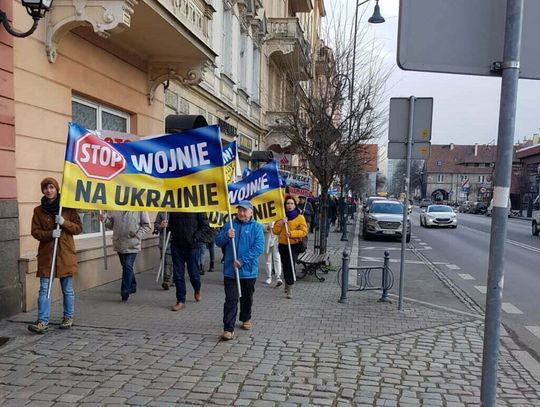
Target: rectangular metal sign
{"x": 463, "y": 36}
{"x": 420, "y": 151}
{"x": 399, "y": 119}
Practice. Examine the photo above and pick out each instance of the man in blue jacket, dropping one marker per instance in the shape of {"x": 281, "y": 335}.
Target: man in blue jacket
{"x": 248, "y": 238}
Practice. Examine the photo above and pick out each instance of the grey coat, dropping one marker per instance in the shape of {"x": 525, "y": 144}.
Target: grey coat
{"x": 128, "y": 230}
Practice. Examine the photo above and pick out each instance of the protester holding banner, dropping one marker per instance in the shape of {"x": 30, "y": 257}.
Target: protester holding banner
{"x": 271, "y": 252}
{"x": 128, "y": 230}
{"x": 291, "y": 231}
{"x": 46, "y": 217}
{"x": 248, "y": 237}
{"x": 160, "y": 227}
{"x": 188, "y": 232}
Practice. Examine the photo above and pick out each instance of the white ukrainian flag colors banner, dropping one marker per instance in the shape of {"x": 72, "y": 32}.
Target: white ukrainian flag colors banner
{"x": 174, "y": 172}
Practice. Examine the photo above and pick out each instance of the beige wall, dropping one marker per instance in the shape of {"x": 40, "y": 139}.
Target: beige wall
{"x": 43, "y": 94}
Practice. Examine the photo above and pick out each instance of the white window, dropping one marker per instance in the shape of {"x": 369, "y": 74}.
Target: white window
{"x": 256, "y": 75}
{"x": 440, "y": 178}
{"x": 93, "y": 116}
{"x": 226, "y": 44}
{"x": 243, "y": 60}
{"x": 481, "y": 178}
{"x": 463, "y": 177}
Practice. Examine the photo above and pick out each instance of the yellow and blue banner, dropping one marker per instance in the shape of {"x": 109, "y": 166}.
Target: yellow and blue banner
{"x": 231, "y": 162}
{"x": 263, "y": 189}
{"x": 179, "y": 172}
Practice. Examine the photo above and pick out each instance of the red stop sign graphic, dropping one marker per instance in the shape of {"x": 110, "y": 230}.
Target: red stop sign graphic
{"x": 97, "y": 159}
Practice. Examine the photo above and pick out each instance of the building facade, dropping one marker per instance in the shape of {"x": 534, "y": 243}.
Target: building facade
{"x": 124, "y": 65}
{"x": 457, "y": 173}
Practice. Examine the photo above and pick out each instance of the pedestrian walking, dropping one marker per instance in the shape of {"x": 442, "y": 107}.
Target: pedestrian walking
{"x": 290, "y": 231}
{"x": 306, "y": 209}
{"x": 210, "y": 247}
{"x": 188, "y": 232}
{"x": 248, "y": 238}
{"x": 129, "y": 227}
{"x": 46, "y": 217}
{"x": 272, "y": 257}
{"x": 160, "y": 228}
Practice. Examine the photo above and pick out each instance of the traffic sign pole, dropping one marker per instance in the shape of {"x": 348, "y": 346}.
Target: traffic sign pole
{"x": 406, "y": 202}
{"x": 501, "y": 191}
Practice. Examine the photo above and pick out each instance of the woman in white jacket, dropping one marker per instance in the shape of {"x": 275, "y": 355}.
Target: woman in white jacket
{"x": 271, "y": 253}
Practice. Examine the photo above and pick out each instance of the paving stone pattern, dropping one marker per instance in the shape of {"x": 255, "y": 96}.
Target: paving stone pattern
{"x": 308, "y": 351}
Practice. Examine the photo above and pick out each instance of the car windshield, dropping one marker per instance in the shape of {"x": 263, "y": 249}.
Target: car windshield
{"x": 440, "y": 208}
{"x": 384, "y": 207}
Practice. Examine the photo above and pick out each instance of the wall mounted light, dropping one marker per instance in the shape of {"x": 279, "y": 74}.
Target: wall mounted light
{"x": 35, "y": 8}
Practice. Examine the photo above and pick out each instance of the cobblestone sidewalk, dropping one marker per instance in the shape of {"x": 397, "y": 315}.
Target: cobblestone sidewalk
{"x": 309, "y": 351}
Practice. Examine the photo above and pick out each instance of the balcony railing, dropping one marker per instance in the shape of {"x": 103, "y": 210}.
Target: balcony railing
{"x": 286, "y": 36}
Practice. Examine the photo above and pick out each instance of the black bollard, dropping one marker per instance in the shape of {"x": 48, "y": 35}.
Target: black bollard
{"x": 385, "y": 278}
{"x": 344, "y": 278}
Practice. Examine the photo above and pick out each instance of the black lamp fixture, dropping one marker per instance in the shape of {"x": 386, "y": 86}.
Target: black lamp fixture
{"x": 376, "y": 18}
{"x": 35, "y": 8}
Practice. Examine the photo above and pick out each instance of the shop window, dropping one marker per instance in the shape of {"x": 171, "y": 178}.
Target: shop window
{"x": 94, "y": 116}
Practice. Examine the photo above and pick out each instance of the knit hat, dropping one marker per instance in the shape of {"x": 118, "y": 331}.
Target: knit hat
{"x": 50, "y": 180}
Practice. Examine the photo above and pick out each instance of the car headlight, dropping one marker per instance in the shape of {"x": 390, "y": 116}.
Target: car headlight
{"x": 430, "y": 216}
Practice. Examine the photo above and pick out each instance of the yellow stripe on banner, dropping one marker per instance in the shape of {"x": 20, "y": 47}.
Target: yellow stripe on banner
{"x": 200, "y": 192}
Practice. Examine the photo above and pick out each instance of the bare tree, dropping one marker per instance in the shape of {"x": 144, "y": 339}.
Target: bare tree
{"x": 342, "y": 109}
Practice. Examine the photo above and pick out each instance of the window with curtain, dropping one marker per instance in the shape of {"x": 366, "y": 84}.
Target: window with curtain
{"x": 94, "y": 116}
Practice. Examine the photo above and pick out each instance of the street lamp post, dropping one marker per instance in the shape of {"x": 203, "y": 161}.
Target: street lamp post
{"x": 376, "y": 18}
{"x": 35, "y": 8}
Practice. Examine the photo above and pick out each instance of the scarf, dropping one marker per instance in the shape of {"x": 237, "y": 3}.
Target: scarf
{"x": 292, "y": 214}
{"x": 51, "y": 207}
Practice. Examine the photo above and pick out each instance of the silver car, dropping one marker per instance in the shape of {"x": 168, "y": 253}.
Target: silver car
{"x": 438, "y": 215}
{"x": 385, "y": 218}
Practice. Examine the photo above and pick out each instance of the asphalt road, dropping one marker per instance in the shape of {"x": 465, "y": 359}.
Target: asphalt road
{"x": 463, "y": 253}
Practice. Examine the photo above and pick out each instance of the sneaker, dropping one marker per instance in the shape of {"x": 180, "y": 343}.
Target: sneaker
{"x": 268, "y": 281}
{"x": 66, "y": 323}
{"x": 197, "y": 296}
{"x": 279, "y": 282}
{"x": 227, "y": 336}
{"x": 125, "y": 297}
{"x": 211, "y": 270}
{"x": 165, "y": 286}
{"x": 38, "y": 327}
{"x": 201, "y": 272}
{"x": 178, "y": 306}
{"x": 246, "y": 325}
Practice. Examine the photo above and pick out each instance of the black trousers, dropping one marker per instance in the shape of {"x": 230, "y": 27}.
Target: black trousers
{"x": 230, "y": 308}
{"x": 287, "y": 267}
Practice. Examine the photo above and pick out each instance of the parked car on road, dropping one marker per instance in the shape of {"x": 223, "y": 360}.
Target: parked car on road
{"x": 370, "y": 200}
{"x": 438, "y": 215}
{"x": 424, "y": 203}
{"x": 465, "y": 206}
{"x": 385, "y": 218}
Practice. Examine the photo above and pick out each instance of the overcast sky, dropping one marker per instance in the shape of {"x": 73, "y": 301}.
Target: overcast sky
{"x": 466, "y": 108}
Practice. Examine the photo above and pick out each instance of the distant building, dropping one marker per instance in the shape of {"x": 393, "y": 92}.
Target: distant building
{"x": 456, "y": 173}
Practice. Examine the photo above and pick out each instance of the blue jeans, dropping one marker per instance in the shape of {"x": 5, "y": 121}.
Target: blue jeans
{"x": 129, "y": 283}
{"x": 181, "y": 257}
{"x": 44, "y": 304}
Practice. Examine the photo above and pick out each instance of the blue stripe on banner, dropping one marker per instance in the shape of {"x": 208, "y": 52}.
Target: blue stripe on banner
{"x": 258, "y": 182}
{"x": 168, "y": 156}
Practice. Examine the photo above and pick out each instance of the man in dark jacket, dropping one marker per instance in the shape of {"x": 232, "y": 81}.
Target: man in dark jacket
{"x": 188, "y": 232}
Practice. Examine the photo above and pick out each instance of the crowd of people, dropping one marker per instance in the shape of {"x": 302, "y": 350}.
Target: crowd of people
{"x": 182, "y": 240}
